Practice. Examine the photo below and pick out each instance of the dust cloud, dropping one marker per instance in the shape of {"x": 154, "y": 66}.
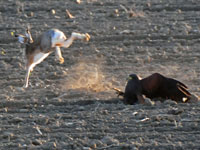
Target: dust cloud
{"x": 87, "y": 75}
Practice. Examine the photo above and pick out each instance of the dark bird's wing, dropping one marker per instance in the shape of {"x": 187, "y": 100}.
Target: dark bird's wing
{"x": 176, "y": 90}
{"x": 157, "y": 85}
{"x": 183, "y": 89}
{"x": 151, "y": 85}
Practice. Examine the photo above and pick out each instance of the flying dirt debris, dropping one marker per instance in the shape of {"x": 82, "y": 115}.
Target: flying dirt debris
{"x": 153, "y": 86}
{"x": 88, "y": 76}
{"x": 37, "y": 50}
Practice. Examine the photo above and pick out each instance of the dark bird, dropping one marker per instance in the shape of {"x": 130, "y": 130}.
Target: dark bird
{"x": 153, "y": 86}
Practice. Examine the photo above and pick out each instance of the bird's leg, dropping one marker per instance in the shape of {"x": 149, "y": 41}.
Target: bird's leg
{"x": 73, "y": 37}
{"x": 29, "y": 69}
{"x": 59, "y": 55}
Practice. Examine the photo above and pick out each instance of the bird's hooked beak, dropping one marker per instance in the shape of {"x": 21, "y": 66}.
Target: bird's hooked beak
{"x": 129, "y": 78}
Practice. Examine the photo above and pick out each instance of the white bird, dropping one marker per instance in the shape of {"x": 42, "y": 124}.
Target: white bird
{"x": 36, "y": 51}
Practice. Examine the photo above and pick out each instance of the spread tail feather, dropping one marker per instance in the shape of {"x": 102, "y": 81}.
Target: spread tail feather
{"x": 183, "y": 89}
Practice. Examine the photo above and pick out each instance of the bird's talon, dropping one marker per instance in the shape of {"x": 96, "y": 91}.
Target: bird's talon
{"x": 87, "y": 37}
{"x": 61, "y": 60}
{"x": 25, "y": 86}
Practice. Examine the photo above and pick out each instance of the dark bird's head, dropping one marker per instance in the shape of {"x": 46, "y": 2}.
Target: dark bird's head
{"x": 133, "y": 77}
{"x": 133, "y": 89}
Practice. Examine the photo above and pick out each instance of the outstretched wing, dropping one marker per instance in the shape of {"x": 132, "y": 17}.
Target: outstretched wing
{"x": 158, "y": 85}
{"x": 151, "y": 85}
{"x": 183, "y": 89}
{"x": 176, "y": 90}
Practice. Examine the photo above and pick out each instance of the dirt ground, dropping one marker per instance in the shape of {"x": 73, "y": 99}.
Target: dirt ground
{"x": 71, "y": 106}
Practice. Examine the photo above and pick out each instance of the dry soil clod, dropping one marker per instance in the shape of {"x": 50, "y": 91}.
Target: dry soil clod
{"x": 69, "y": 15}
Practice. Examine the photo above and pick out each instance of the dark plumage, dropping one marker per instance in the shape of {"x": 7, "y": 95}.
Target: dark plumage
{"x": 154, "y": 86}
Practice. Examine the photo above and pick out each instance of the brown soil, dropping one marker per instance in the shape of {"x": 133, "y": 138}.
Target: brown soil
{"x": 72, "y": 106}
